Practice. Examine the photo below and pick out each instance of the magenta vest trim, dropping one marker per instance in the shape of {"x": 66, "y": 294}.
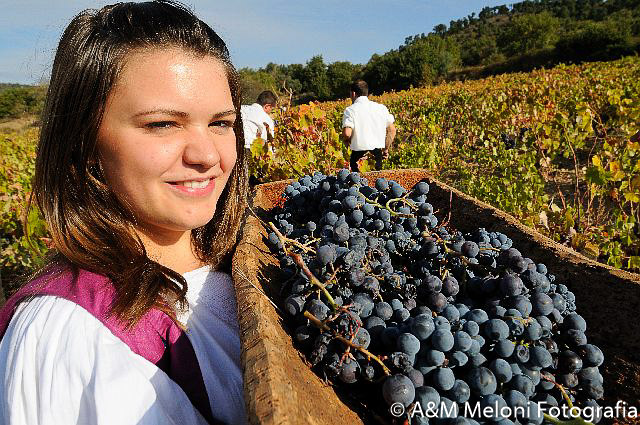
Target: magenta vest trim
{"x": 156, "y": 337}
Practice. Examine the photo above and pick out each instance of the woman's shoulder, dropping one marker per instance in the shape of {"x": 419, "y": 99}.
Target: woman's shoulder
{"x": 47, "y": 327}
{"x": 92, "y": 291}
{"x": 95, "y": 295}
{"x": 55, "y": 349}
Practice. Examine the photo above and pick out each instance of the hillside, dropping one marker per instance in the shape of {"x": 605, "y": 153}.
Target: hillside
{"x": 519, "y": 37}
{"x": 20, "y": 101}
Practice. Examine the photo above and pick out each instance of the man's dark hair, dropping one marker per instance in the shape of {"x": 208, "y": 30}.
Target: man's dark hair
{"x": 360, "y": 88}
{"x": 267, "y": 98}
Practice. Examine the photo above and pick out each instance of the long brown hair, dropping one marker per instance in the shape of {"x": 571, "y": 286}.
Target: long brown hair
{"x": 89, "y": 227}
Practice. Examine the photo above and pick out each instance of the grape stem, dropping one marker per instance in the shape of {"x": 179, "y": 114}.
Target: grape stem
{"x": 561, "y": 388}
{"x": 347, "y": 352}
{"x": 285, "y": 240}
{"x": 524, "y": 321}
{"x": 312, "y": 241}
{"x": 342, "y": 339}
{"x": 388, "y": 206}
{"x": 490, "y": 249}
{"x": 403, "y": 200}
{"x": 461, "y": 256}
{"x": 297, "y": 258}
{"x": 575, "y": 421}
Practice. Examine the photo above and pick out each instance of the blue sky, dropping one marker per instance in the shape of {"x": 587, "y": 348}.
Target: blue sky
{"x": 257, "y": 32}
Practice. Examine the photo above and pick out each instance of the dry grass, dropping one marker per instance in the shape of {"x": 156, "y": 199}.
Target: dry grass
{"x": 18, "y": 124}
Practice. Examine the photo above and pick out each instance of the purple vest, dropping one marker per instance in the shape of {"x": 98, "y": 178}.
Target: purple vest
{"x": 155, "y": 337}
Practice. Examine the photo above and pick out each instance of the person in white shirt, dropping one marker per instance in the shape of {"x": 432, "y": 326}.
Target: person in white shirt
{"x": 141, "y": 179}
{"x": 256, "y": 119}
{"x": 367, "y": 126}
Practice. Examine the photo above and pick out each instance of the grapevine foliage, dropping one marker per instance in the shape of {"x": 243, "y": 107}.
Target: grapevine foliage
{"x": 550, "y": 147}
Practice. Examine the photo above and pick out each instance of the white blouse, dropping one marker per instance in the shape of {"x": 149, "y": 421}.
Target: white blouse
{"x": 61, "y": 365}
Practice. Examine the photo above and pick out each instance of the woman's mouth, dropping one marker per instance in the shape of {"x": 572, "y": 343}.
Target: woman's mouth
{"x": 194, "y": 187}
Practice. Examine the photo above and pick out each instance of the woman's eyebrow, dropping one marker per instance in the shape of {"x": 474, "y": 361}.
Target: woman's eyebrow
{"x": 224, "y": 114}
{"x": 182, "y": 114}
{"x": 172, "y": 112}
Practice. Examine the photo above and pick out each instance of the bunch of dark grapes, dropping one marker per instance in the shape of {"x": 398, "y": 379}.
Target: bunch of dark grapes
{"x": 382, "y": 296}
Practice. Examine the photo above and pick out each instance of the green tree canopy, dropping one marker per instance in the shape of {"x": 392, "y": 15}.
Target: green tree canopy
{"x": 529, "y": 32}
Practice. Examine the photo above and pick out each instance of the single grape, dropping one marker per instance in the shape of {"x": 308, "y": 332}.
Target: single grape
{"x": 574, "y": 321}
{"x": 294, "y": 304}
{"x": 471, "y": 327}
{"x": 326, "y": 254}
{"x": 427, "y": 396}
{"x": 482, "y": 381}
{"x": 477, "y": 315}
{"x": 458, "y": 358}
{"x": 540, "y": 357}
{"x": 591, "y": 355}
{"x": 470, "y": 249}
{"x": 363, "y": 304}
{"x": 532, "y": 330}
{"x": 462, "y": 341}
{"x": 569, "y": 362}
{"x": 398, "y": 389}
{"x": 408, "y": 343}
{"x": 442, "y": 340}
{"x": 349, "y": 371}
{"x": 382, "y": 184}
{"x": 416, "y": 377}
{"x": 511, "y": 285}
{"x": 442, "y": 322}
{"x": 523, "y": 384}
{"x": 433, "y": 357}
{"x": 502, "y": 370}
{"x": 421, "y": 188}
{"x": 460, "y": 392}
{"x": 504, "y": 348}
{"x": 383, "y": 310}
{"x": 492, "y": 406}
{"x": 443, "y": 379}
{"x": 542, "y": 304}
{"x": 496, "y": 329}
{"x": 362, "y": 338}
{"x": 317, "y": 308}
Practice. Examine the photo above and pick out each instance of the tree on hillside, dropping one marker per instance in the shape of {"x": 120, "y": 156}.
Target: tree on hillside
{"x": 440, "y": 29}
{"x": 22, "y": 100}
{"x": 315, "y": 81}
{"x": 420, "y": 62}
{"x": 594, "y": 41}
{"x": 252, "y": 83}
{"x": 480, "y": 51}
{"x": 340, "y": 75}
{"x": 529, "y": 32}
{"x": 380, "y": 72}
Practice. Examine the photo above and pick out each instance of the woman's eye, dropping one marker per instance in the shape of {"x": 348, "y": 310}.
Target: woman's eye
{"x": 160, "y": 125}
{"x": 222, "y": 124}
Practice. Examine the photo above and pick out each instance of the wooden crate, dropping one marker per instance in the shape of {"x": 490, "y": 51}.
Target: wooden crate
{"x": 280, "y": 388}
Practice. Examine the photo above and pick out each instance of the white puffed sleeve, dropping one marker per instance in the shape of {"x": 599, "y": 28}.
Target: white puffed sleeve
{"x": 60, "y": 365}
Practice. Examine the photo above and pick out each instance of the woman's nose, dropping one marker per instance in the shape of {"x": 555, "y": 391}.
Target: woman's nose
{"x": 200, "y": 148}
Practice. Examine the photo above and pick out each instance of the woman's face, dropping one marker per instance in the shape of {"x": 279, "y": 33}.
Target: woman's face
{"x": 166, "y": 142}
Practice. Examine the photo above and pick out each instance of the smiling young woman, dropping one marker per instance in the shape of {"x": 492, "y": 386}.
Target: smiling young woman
{"x": 141, "y": 178}
{"x": 167, "y": 147}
